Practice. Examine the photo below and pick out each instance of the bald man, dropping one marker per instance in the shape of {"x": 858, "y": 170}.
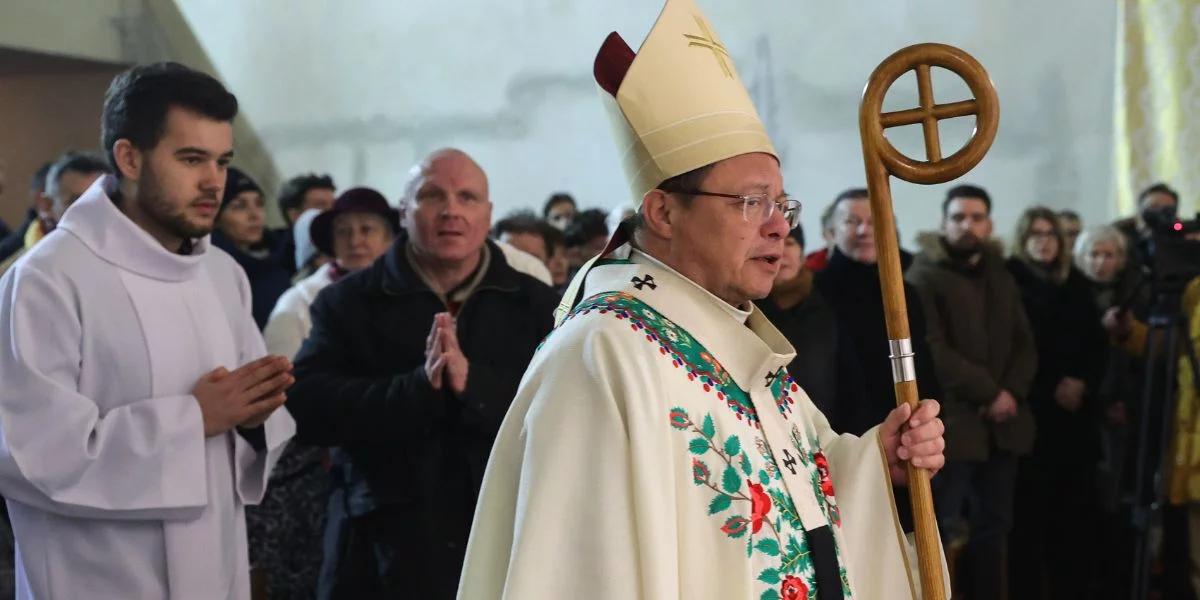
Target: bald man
{"x": 409, "y": 369}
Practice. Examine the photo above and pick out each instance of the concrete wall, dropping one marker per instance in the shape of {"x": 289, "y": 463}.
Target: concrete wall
{"x": 56, "y": 60}
{"x": 361, "y": 89}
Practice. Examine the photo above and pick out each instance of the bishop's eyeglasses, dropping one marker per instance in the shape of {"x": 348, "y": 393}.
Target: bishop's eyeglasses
{"x": 758, "y": 208}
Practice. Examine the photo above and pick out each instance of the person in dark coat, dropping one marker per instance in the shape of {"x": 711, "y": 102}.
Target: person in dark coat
{"x": 807, "y": 321}
{"x": 986, "y": 359}
{"x": 850, "y": 284}
{"x": 409, "y": 369}
{"x": 264, "y": 255}
{"x": 1056, "y": 510}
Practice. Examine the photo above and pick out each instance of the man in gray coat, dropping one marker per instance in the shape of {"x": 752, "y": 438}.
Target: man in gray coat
{"x": 984, "y": 354}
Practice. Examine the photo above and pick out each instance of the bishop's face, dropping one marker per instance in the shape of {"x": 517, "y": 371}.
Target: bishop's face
{"x": 715, "y": 245}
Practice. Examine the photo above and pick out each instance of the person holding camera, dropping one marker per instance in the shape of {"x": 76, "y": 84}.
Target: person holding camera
{"x": 1158, "y": 206}
{"x": 1182, "y": 462}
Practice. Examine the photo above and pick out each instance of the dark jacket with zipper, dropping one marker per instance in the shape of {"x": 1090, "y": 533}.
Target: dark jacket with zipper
{"x": 981, "y": 342}
{"x": 409, "y": 460}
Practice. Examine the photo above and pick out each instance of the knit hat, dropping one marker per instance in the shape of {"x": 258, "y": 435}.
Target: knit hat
{"x": 236, "y": 182}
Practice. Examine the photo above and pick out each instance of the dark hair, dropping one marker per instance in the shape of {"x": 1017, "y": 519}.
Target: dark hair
{"x": 74, "y": 162}
{"x": 37, "y": 185}
{"x": 521, "y": 221}
{"x": 797, "y": 233}
{"x": 1067, "y": 213}
{"x": 78, "y": 162}
{"x": 291, "y": 193}
{"x": 588, "y": 225}
{"x": 136, "y": 104}
{"x": 857, "y": 193}
{"x": 1158, "y": 188}
{"x": 966, "y": 191}
{"x": 686, "y": 182}
{"x": 556, "y": 199}
{"x": 1062, "y": 262}
{"x": 552, "y": 236}
{"x": 678, "y": 185}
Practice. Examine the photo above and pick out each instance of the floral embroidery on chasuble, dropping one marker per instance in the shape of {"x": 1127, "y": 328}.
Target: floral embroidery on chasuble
{"x": 751, "y": 475}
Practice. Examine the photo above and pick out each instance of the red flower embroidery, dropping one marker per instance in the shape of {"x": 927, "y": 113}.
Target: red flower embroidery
{"x": 700, "y": 472}
{"x": 823, "y": 473}
{"x": 760, "y": 505}
{"x": 679, "y": 418}
{"x": 793, "y": 588}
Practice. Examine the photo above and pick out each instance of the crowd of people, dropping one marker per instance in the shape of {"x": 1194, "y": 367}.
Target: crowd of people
{"x": 411, "y": 321}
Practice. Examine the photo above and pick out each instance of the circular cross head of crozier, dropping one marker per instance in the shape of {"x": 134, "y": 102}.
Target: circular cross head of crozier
{"x": 921, "y": 58}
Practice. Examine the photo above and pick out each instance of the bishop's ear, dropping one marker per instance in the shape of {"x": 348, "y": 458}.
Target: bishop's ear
{"x": 656, "y": 213}
{"x": 128, "y": 159}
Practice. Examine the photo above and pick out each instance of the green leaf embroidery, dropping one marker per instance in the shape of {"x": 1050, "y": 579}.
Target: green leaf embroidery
{"x": 769, "y": 595}
{"x": 768, "y": 546}
{"x": 794, "y": 554}
{"x": 698, "y": 446}
{"x": 708, "y": 429}
{"x": 730, "y": 480}
{"x": 733, "y": 446}
{"x": 786, "y": 509}
{"x": 763, "y": 478}
{"x": 746, "y": 468}
{"x": 736, "y": 526}
{"x": 769, "y": 576}
{"x": 718, "y": 504}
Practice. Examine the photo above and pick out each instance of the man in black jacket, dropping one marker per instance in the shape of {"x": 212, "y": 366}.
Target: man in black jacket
{"x": 408, "y": 371}
{"x": 850, "y": 283}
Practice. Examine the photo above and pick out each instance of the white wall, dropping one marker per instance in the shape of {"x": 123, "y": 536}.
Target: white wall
{"x": 361, "y": 89}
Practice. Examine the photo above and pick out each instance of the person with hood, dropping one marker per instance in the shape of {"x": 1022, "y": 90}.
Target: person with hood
{"x": 985, "y": 357}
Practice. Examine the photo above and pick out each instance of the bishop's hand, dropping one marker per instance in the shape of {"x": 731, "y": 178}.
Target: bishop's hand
{"x": 245, "y": 397}
{"x": 920, "y": 443}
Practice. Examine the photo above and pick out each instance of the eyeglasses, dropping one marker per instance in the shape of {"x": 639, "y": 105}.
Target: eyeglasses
{"x": 758, "y": 208}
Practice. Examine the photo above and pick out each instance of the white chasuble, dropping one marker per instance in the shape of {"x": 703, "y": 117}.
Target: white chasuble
{"x": 113, "y": 489}
{"x": 657, "y": 449}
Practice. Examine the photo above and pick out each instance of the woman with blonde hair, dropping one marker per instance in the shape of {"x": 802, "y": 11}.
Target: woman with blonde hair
{"x": 1071, "y": 347}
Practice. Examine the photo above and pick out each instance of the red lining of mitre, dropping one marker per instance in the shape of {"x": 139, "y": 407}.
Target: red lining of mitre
{"x": 612, "y": 63}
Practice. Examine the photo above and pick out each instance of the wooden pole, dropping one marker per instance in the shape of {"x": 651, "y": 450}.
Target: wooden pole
{"x": 881, "y": 160}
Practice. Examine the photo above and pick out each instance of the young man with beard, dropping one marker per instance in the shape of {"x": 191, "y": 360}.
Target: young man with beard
{"x": 985, "y": 358}
{"x": 139, "y": 414}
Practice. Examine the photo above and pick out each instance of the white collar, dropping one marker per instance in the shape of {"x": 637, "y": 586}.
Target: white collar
{"x": 735, "y": 313}
{"x": 97, "y": 222}
{"x": 748, "y": 347}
